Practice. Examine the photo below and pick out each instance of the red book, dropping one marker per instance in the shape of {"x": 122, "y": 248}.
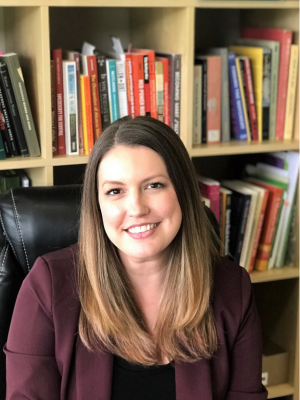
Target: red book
{"x": 58, "y": 75}
{"x": 250, "y": 98}
{"x": 152, "y": 84}
{"x": 167, "y": 118}
{"x": 138, "y": 83}
{"x": 146, "y": 84}
{"x": 283, "y": 36}
{"x": 96, "y": 112}
{"x": 129, "y": 83}
{"x": 211, "y": 190}
{"x": 53, "y": 112}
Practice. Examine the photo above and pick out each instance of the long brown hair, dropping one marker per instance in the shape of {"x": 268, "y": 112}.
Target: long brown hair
{"x": 185, "y": 327}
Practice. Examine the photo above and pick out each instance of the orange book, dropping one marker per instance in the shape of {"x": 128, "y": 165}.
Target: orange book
{"x": 152, "y": 83}
{"x": 87, "y": 119}
{"x": 165, "y": 61}
{"x": 138, "y": 84}
{"x": 96, "y": 112}
{"x": 269, "y": 224}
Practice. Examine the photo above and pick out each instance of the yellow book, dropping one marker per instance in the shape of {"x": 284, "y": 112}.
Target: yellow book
{"x": 256, "y": 57}
{"x": 87, "y": 127}
{"x": 291, "y": 93}
{"x": 243, "y": 96}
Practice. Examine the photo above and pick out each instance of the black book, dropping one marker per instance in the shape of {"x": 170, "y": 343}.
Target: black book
{"x": 103, "y": 90}
{"x": 9, "y": 138}
{"x": 10, "y": 101}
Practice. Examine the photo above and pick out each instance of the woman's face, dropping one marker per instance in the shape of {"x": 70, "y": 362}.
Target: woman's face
{"x": 139, "y": 206}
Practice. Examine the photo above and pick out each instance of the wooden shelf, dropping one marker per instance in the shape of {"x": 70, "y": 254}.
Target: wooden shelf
{"x": 280, "y": 390}
{"x": 246, "y": 4}
{"x": 274, "y": 274}
{"x": 69, "y": 160}
{"x": 240, "y": 147}
{"x": 22, "y": 162}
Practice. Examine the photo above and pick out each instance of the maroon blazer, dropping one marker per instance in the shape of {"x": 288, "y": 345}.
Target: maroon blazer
{"x": 46, "y": 359}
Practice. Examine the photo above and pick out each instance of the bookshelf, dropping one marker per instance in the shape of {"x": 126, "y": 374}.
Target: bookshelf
{"x": 32, "y": 27}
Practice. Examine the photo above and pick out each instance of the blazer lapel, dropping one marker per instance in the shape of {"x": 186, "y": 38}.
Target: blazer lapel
{"x": 93, "y": 373}
{"x": 193, "y": 381}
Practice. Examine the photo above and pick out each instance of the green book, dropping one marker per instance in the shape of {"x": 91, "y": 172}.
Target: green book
{"x": 9, "y": 179}
{"x": 17, "y": 81}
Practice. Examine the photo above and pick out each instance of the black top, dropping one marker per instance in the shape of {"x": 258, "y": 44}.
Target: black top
{"x": 136, "y": 382}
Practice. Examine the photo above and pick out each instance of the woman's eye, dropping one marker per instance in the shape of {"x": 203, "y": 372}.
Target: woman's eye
{"x": 113, "y": 192}
{"x": 155, "y": 185}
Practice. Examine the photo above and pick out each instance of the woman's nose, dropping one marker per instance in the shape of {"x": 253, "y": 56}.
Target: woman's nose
{"x": 137, "y": 205}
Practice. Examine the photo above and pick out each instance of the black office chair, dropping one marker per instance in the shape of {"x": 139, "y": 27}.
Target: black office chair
{"x": 35, "y": 221}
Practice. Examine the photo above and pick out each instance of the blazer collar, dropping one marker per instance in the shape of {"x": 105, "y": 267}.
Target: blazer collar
{"x": 94, "y": 376}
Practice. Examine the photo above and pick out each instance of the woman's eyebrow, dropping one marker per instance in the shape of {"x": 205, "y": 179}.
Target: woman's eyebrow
{"x": 142, "y": 181}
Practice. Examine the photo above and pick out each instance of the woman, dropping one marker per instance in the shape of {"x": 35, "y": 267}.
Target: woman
{"x": 153, "y": 312}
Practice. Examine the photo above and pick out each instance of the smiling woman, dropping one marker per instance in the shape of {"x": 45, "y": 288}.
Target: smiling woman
{"x": 143, "y": 307}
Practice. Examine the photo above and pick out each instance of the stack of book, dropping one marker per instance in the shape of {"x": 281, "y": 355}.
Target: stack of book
{"x": 246, "y": 91}
{"x": 90, "y": 91}
{"x": 18, "y": 135}
{"x": 256, "y": 214}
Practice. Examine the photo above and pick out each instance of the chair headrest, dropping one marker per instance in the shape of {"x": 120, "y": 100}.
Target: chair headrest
{"x": 38, "y": 220}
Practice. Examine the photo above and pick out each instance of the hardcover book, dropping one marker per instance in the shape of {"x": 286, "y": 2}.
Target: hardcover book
{"x": 122, "y": 88}
{"x": 210, "y": 189}
{"x": 9, "y": 137}
{"x": 291, "y": 92}
{"x": 113, "y": 97}
{"x": 197, "y": 112}
{"x": 159, "y": 79}
{"x": 87, "y": 118}
{"x": 103, "y": 90}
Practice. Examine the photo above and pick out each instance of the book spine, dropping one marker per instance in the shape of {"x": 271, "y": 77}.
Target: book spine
{"x": 225, "y": 103}
{"x": 241, "y": 71}
{"x": 214, "y": 84}
{"x": 152, "y": 83}
{"x": 159, "y": 78}
{"x": 53, "y": 111}
{"x": 57, "y": 57}
{"x": 250, "y": 99}
{"x": 236, "y": 99}
{"x": 242, "y": 228}
{"x": 70, "y": 107}
{"x": 129, "y": 81}
{"x": 79, "y": 108}
{"x": 96, "y": 113}
{"x": 10, "y": 101}
{"x": 10, "y": 140}
{"x": 177, "y": 93}
{"x": 291, "y": 94}
{"x": 213, "y": 194}
{"x": 103, "y": 91}
{"x": 203, "y": 63}
{"x": 4, "y": 135}
{"x": 112, "y": 89}
{"x": 227, "y": 224}
{"x": 122, "y": 89}
{"x": 138, "y": 84}
{"x": 266, "y": 96}
{"x": 197, "y": 104}
{"x": 87, "y": 118}
{"x": 274, "y": 89}
{"x": 167, "y": 119}
{"x": 147, "y": 86}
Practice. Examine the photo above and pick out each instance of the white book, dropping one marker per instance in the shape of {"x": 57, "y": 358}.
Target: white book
{"x": 122, "y": 88}
{"x": 197, "y": 114}
{"x": 70, "y": 107}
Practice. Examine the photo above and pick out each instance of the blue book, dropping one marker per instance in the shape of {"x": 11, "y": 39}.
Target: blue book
{"x": 237, "y": 112}
{"x": 112, "y": 89}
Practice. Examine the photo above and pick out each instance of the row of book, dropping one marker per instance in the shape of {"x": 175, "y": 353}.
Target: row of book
{"x": 246, "y": 91}
{"x": 257, "y": 214}
{"x": 91, "y": 90}
{"x": 18, "y": 135}
{"x": 10, "y": 179}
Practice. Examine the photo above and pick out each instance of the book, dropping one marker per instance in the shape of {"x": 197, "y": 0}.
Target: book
{"x": 75, "y": 56}
{"x": 225, "y": 101}
{"x": 23, "y": 105}
{"x": 203, "y": 102}
{"x": 113, "y": 97}
{"x": 274, "y": 46}
{"x": 152, "y": 83}
{"x": 210, "y": 189}
{"x": 103, "y": 90}
{"x": 7, "y": 133}
{"x": 4, "y": 137}
{"x": 10, "y": 102}
{"x": 159, "y": 79}
{"x": 237, "y": 115}
{"x": 56, "y": 55}
{"x": 242, "y": 84}
{"x": 2, "y": 147}
{"x": 70, "y": 107}
{"x": 226, "y": 195}
{"x": 147, "y": 86}
{"x": 165, "y": 61}
{"x": 256, "y": 57}
{"x": 213, "y": 102}
{"x": 284, "y": 36}
{"x": 175, "y": 87}
{"x": 122, "y": 88}
{"x": 240, "y": 205}
{"x": 291, "y": 92}
{"x": 129, "y": 82}
{"x": 138, "y": 84}
{"x": 87, "y": 118}
{"x": 197, "y": 112}
{"x": 53, "y": 111}
{"x": 8, "y": 180}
